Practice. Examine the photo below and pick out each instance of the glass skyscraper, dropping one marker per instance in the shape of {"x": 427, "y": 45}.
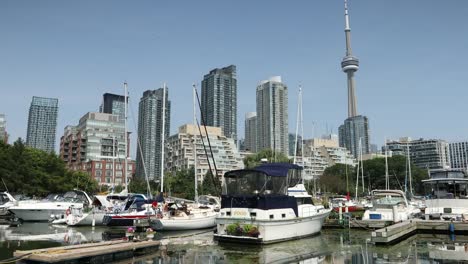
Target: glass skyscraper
{"x": 113, "y": 104}
{"x": 150, "y": 116}
{"x": 353, "y": 130}
{"x": 219, "y": 100}
{"x": 272, "y": 115}
{"x": 42, "y": 123}
{"x": 250, "y": 143}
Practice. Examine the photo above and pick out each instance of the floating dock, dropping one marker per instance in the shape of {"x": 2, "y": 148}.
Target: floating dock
{"x": 400, "y": 231}
{"x": 101, "y": 252}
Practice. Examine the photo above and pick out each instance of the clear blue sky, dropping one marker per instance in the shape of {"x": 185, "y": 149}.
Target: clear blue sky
{"x": 412, "y": 80}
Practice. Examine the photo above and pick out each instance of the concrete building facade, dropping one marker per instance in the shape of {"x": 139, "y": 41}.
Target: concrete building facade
{"x": 97, "y": 146}
{"x": 459, "y": 155}
{"x": 180, "y": 151}
{"x": 42, "y": 123}
{"x": 424, "y": 153}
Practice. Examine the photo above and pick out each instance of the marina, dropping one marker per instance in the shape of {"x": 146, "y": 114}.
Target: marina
{"x": 330, "y": 246}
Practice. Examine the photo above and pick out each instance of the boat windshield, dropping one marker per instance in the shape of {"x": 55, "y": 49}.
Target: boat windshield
{"x": 251, "y": 182}
{"x": 446, "y": 189}
{"x": 4, "y": 199}
{"x": 387, "y": 201}
{"x": 74, "y": 197}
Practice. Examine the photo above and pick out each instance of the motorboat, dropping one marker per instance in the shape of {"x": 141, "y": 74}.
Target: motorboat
{"x": 6, "y": 201}
{"x": 43, "y": 210}
{"x": 446, "y": 195}
{"x": 344, "y": 202}
{"x": 136, "y": 207}
{"x": 93, "y": 216}
{"x": 258, "y": 206}
{"x": 390, "y": 205}
{"x": 177, "y": 215}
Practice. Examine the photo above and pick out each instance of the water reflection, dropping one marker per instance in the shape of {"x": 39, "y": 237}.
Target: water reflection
{"x": 332, "y": 246}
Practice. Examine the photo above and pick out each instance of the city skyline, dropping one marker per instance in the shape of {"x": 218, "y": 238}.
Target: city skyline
{"x": 78, "y": 60}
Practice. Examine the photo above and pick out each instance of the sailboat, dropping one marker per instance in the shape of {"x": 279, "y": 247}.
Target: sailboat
{"x": 389, "y": 205}
{"x": 105, "y": 205}
{"x": 186, "y": 216}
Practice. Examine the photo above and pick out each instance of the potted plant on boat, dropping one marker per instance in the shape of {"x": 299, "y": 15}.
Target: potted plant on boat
{"x": 130, "y": 233}
{"x": 150, "y": 233}
{"x": 247, "y": 230}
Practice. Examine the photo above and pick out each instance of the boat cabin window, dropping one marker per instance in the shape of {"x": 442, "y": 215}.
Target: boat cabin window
{"x": 4, "y": 198}
{"x": 250, "y": 182}
{"x": 304, "y": 200}
{"x": 387, "y": 201}
{"x": 446, "y": 189}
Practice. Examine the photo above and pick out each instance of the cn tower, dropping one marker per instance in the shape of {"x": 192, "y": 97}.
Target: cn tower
{"x": 350, "y": 65}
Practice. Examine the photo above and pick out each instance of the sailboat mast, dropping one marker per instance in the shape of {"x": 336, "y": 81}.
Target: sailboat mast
{"x": 362, "y": 166}
{"x": 125, "y": 137}
{"x": 409, "y": 170}
{"x": 195, "y": 144}
{"x": 162, "y": 135}
{"x": 387, "y": 182}
{"x": 302, "y": 129}
{"x": 357, "y": 173}
{"x": 297, "y": 124}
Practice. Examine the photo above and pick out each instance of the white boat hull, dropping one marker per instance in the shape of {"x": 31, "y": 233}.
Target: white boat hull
{"x": 185, "y": 223}
{"x": 446, "y": 208}
{"x": 272, "y": 231}
{"x": 86, "y": 219}
{"x": 36, "y": 215}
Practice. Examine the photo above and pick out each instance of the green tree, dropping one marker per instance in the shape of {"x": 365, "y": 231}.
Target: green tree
{"x": 181, "y": 184}
{"x": 207, "y": 187}
{"x": 34, "y": 172}
{"x": 334, "y": 178}
{"x": 254, "y": 160}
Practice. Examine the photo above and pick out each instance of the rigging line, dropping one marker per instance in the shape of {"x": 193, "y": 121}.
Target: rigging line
{"x": 206, "y": 131}
{"x": 207, "y": 158}
{"x": 141, "y": 151}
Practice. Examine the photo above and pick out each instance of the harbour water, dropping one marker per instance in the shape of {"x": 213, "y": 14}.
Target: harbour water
{"x": 331, "y": 246}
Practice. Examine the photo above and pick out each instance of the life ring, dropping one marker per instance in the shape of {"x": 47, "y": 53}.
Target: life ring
{"x": 67, "y": 212}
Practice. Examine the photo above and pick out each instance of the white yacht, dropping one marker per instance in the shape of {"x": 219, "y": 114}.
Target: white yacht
{"x": 390, "y": 205}
{"x": 42, "y": 211}
{"x": 447, "y": 196}
{"x": 267, "y": 204}
{"x": 187, "y": 216}
{"x": 6, "y": 201}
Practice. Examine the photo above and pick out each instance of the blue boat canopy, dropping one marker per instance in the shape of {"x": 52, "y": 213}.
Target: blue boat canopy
{"x": 277, "y": 169}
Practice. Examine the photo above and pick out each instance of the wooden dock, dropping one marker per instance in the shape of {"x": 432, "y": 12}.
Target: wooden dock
{"x": 397, "y": 232}
{"x": 101, "y": 252}
{"x": 355, "y": 223}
